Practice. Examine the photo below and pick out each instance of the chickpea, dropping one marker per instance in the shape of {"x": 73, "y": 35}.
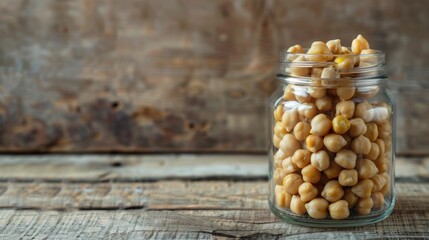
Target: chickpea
{"x": 339, "y": 209}
{"x": 385, "y": 130}
{"x": 290, "y": 118}
{"x": 381, "y": 145}
{"x": 310, "y": 174}
{"x": 307, "y": 110}
{"x": 364, "y": 110}
{"x": 361, "y": 145}
{"x": 334, "y": 46}
{"x": 317, "y": 208}
{"x": 369, "y": 59}
{"x": 295, "y": 49}
{"x": 379, "y": 182}
{"x": 340, "y": 124}
{"x": 378, "y": 200}
{"x": 279, "y": 175}
{"x": 280, "y": 196}
{"x": 292, "y": 182}
{"x": 350, "y": 197}
{"x": 343, "y": 62}
{"x": 278, "y": 113}
{"x": 319, "y": 52}
{"x": 314, "y": 143}
{"x": 307, "y": 192}
{"x": 385, "y": 189}
{"x": 364, "y": 205}
{"x": 346, "y": 159}
{"x": 289, "y": 144}
{"x": 328, "y": 73}
{"x": 366, "y": 168}
{"x": 280, "y": 130}
{"x": 345, "y": 93}
{"x": 345, "y": 51}
{"x": 381, "y": 163}
{"x": 316, "y": 73}
{"x": 363, "y": 188}
{"x": 332, "y": 191}
{"x": 357, "y": 127}
{"x": 301, "y": 94}
{"x": 333, "y": 171}
{"x": 320, "y": 160}
{"x": 276, "y": 141}
{"x": 348, "y": 178}
{"x": 300, "y": 71}
{"x": 301, "y": 158}
{"x": 373, "y": 154}
{"x": 366, "y": 92}
{"x": 371, "y": 132}
{"x": 279, "y": 156}
{"x": 359, "y": 44}
{"x": 334, "y": 142}
{"x": 288, "y": 166}
{"x": 320, "y": 125}
{"x": 301, "y": 131}
{"x": 297, "y": 206}
{"x": 324, "y": 103}
{"x": 289, "y": 93}
{"x": 345, "y": 108}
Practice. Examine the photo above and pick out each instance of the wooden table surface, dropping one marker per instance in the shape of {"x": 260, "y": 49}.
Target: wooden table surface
{"x": 174, "y": 196}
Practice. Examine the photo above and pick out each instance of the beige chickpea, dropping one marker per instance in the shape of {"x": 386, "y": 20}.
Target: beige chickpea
{"x": 320, "y": 160}
{"x": 385, "y": 130}
{"x": 310, "y": 174}
{"x": 314, "y": 143}
{"x": 339, "y": 209}
{"x": 345, "y": 93}
{"x": 307, "y": 110}
{"x": 301, "y": 131}
{"x": 301, "y": 158}
{"x": 345, "y": 50}
{"x": 350, "y": 197}
{"x": 367, "y": 57}
{"x": 278, "y": 113}
{"x": 317, "y": 208}
{"x": 379, "y": 182}
{"x": 323, "y": 104}
{"x": 276, "y": 141}
{"x": 378, "y": 200}
{"x": 319, "y": 52}
{"x": 299, "y": 71}
{"x": 332, "y": 191}
{"x": 346, "y": 159}
{"x": 288, "y": 166}
{"x": 385, "y": 190}
{"x": 345, "y": 108}
{"x": 359, "y": 44}
{"x": 290, "y": 118}
{"x": 280, "y": 130}
{"x": 295, "y": 49}
{"x": 357, "y": 127}
{"x": 289, "y": 92}
{"x": 340, "y": 124}
{"x": 280, "y": 196}
{"x": 279, "y": 175}
{"x": 348, "y": 178}
{"x": 333, "y": 170}
{"x": 344, "y": 62}
{"x": 301, "y": 94}
{"x": 371, "y": 132}
{"x": 292, "y": 182}
{"x": 307, "y": 192}
{"x": 381, "y": 145}
{"x": 381, "y": 163}
{"x": 279, "y": 156}
{"x": 366, "y": 92}
{"x": 316, "y": 72}
{"x": 320, "y": 125}
{"x": 366, "y": 168}
{"x": 364, "y": 205}
{"x": 373, "y": 154}
{"x": 361, "y": 145}
{"x": 334, "y": 142}
{"x": 364, "y": 110}
{"x": 297, "y": 206}
{"x": 328, "y": 73}
{"x": 289, "y": 144}
{"x": 380, "y": 114}
{"x": 334, "y": 46}
{"x": 363, "y": 188}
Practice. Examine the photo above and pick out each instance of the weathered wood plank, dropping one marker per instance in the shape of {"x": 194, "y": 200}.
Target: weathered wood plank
{"x": 143, "y": 76}
{"x": 151, "y": 167}
{"x": 241, "y": 212}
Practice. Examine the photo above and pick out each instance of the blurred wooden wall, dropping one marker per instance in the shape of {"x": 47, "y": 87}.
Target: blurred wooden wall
{"x": 151, "y": 76}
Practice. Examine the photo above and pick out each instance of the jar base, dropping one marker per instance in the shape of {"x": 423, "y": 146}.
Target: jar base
{"x": 332, "y": 223}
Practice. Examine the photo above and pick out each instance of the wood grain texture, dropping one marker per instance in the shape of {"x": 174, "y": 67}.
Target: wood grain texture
{"x": 157, "y": 167}
{"x": 206, "y": 210}
{"x": 144, "y": 76}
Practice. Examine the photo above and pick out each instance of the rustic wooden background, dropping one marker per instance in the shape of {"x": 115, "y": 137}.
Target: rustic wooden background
{"x": 154, "y": 76}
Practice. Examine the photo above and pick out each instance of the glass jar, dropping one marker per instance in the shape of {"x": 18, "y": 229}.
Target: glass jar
{"x": 332, "y": 141}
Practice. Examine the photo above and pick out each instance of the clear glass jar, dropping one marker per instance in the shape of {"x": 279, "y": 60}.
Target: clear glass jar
{"x": 332, "y": 141}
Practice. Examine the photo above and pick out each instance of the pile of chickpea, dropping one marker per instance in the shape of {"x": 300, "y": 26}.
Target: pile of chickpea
{"x": 332, "y": 145}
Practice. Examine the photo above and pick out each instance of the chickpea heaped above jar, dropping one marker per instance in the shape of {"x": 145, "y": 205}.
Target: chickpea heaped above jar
{"x": 332, "y": 139}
